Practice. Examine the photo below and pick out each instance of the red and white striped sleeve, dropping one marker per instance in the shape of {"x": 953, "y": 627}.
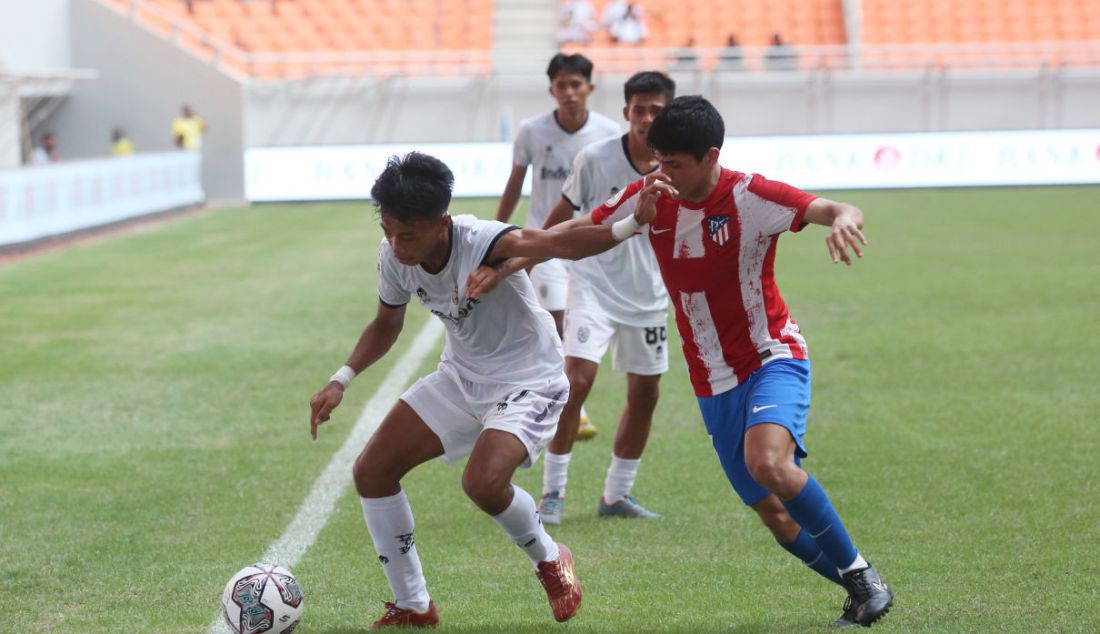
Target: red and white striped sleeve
{"x": 781, "y": 205}
{"x": 618, "y": 206}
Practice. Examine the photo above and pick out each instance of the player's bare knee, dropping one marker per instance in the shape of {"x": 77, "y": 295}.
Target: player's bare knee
{"x": 771, "y": 471}
{"x": 371, "y": 478}
{"x": 361, "y": 475}
{"x": 486, "y": 490}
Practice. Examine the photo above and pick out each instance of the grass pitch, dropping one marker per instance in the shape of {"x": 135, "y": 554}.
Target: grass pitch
{"x": 154, "y": 433}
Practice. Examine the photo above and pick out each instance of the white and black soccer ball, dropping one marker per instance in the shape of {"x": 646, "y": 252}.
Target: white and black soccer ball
{"x": 262, "y": 599}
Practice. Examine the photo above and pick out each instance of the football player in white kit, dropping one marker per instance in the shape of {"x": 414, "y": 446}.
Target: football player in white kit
{"x": 548, "y": 143}
{"x": 615, "y": 299}
{"x": 495, "y": 397}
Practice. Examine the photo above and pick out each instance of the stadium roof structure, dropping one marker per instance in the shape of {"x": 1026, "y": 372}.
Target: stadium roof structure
{"x": 27, "y": 98}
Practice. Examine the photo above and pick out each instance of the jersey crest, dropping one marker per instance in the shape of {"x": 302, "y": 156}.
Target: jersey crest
{"x": 616, "y": 196}
{"x": 718, "y": 228}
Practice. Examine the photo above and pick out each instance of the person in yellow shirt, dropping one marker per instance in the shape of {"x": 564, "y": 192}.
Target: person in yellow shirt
{"x": 187, "y": 130}
{"x": 121, "y": 145}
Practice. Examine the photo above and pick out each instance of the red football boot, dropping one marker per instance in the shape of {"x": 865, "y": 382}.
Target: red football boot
{"x": 397, "y": 617}
{"x": 562, "y": 587}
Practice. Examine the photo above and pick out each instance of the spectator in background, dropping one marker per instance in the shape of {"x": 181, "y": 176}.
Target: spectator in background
{"x": 577, "y": 22}
{"x": 121, "y": 145}
{"x": 780, "y": 56}
{"x": 187, "y": 130}
{"x": 630, "y": 29}
{"x": 612, "y": 13}
{"x": 732, "y": 57}
{"x": 686, "y": 58}
{"x": 46, "y": 152}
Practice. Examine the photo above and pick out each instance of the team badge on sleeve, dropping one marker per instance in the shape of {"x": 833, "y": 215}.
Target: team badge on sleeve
{"x": 718, "y": 228}
{"x": 616, "y": 196}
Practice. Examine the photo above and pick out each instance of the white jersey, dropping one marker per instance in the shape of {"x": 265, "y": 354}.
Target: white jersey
{"x": 625, "y": 279}
{"x": 501, "y": 338}
{"x": 544, "y": 144}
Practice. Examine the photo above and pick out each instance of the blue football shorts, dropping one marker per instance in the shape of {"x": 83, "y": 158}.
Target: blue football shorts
{"x": 779, "y": 393}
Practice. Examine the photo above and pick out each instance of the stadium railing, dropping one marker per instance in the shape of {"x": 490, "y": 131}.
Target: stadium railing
{"x": 40, "y": 201}
{"x": 853, "y": 57}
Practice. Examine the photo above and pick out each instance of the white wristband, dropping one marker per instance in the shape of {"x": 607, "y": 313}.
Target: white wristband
{"x": 343, "y": 376}
{"x": 623, "y": 229}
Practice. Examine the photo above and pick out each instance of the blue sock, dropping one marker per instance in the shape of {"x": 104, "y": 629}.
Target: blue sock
{"x": 814, "y": 512}
{"x": 806, "y": 549}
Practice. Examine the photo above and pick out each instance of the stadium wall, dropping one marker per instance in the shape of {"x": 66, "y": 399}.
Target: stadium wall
{"x": 143, "y": 80}
{"x": 43, "y": 201}
{"x": 34, "y": 35}
{"x": 9, "y": 124}
{"x": 399, "y": 110}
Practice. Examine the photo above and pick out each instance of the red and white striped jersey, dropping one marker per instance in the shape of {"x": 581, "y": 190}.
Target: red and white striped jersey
{"x": 717, "y": 260}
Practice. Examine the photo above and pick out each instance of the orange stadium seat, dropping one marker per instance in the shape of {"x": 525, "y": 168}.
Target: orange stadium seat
{"x": 313, "y": 26}
{"x": 963, "y": 21}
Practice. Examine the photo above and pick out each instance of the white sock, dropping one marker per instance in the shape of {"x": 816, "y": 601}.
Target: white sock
{"x": 555, "y": 473}
{"x": 584, "y": 414}
{"x": 858, "y": 564}
{"x": 620, "y": 478}
{"x": 390, "y": 522}
{"x": 521, "y": 521}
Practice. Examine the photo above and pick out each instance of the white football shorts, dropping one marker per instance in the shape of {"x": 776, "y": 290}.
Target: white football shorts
{"x": 457, "y": 411}
{"x": 588, "y": 331}
{"x": 550, "y": 280}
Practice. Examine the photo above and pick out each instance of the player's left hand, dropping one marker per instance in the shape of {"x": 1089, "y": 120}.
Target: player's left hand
{"x": 482, "y": 280}
{"x": 653, "y": 185}
{"x": 322, "y": 404}
{"x": 844, "y": 233}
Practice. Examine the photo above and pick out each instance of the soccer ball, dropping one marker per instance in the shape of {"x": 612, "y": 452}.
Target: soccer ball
{"x": 262, "y": 599}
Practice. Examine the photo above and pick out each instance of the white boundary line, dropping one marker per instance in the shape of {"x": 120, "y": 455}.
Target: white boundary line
{"x": 330, "y": 485}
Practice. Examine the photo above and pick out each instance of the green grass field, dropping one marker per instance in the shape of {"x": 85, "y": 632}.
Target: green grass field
{"x": 154, "y": 433}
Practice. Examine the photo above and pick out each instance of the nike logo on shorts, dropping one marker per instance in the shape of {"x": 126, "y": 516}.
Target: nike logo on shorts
{"x": 757, "y": 409}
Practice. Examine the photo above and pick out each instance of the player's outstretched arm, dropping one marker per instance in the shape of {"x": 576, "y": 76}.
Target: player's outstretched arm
{"x": 845, "y": 222}
{"x": 510, "y": 198}
{"x": 487, "y": 277}
{"x": 579, "y": 238}
{"x": 377, "y": 338}
{"x": 571, "y": 243}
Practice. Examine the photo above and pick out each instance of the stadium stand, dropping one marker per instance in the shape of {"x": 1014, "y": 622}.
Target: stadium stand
{"x": 995, "y": 21}
{"x": 288, "y": 39}
{"x": 295, "y": 38}
{"x": 890, "y": 35}
{"x": 671, "y": 23}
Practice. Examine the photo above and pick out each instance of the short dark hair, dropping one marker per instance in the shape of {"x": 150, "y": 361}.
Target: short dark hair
{"x": 576, "y": 63}
{"x": 649, "y": 82}
{"x": 413, "y": 187}
{"x": 688, "y": 125}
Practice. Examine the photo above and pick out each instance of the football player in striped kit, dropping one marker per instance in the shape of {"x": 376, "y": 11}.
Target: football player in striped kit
{"x": 714, "y": 233}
